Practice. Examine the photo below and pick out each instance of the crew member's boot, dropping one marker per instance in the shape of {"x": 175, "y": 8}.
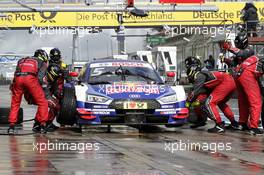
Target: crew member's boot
{"x": 11, "y": 130}
{"x": 219, "y": 128}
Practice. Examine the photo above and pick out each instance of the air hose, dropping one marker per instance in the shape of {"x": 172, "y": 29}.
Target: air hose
{"x": 16, "y": 133}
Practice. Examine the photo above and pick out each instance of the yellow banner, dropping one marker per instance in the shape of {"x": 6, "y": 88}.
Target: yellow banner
{"x": 229, "y": 11}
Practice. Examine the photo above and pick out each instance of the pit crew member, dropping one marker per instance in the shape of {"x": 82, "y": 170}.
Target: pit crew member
{"x": 30, "y": 77}
{"x": 247, "y": 73}
{"x": 218, "y": 85}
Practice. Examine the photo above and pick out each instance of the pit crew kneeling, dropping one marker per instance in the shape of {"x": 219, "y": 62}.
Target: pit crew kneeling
{"x": 57, "y": 73}
{"x": 54, "y": 91}
{"x": 213, "y": 89}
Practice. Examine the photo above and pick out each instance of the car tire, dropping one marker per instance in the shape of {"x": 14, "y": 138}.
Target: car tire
{"x": 192, "y": 117}
{"x": 67, "y": 115}
{"x": 4, "y": 115}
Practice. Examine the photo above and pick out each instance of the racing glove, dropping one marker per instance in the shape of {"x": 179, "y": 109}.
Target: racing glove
{"x": 188, "y": 104}
{"x": 226, "y": 46}
{"x": 194, "y": 104}
{"x": 190, "y": 97}
{"x": 52, "y": 102}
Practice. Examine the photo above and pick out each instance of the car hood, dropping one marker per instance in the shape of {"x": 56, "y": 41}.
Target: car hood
{"x": 136, "y": 90}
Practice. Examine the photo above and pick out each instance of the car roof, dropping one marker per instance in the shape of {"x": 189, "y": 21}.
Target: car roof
{"x": 117, "y": 60}
{"x": 86, "y": 74}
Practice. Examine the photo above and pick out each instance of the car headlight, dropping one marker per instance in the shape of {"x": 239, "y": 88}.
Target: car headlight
{"x": 96, "y": 99}
{"x": 169, "y": 99}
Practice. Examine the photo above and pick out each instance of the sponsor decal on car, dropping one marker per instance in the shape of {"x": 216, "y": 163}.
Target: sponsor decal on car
{"x": 168, "y": 112}
{"x": 135, "y": 105}
{"x": 134, "y": 96}
{"x": 118, "y": 64}
{"x": 100, "y": 107}
{"x": 101, "y": 112}
{"x": 167, "y": 106}
{"x": 128, "y": 88}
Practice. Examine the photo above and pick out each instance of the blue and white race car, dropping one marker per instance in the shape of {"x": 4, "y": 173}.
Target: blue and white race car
{"x": 122, "y": 92}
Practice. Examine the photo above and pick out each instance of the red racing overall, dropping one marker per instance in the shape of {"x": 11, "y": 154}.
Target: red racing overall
{"x": 249, "y": 94}
{"x": 27, "y": 80}
{"x": 247, "y": 74}
{"x": 220, "y": 87}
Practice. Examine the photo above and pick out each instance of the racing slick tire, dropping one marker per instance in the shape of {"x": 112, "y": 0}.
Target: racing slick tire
{"x": 192, "y": 117}
{"x": 67, "y": 115}
{"x": 4, "y": 114}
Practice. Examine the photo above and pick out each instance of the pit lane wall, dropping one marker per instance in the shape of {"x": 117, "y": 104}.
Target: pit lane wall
{"x": 229, "y": 12}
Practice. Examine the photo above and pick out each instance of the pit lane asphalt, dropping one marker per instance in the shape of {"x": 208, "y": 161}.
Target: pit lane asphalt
{"x": 125, "y": 151}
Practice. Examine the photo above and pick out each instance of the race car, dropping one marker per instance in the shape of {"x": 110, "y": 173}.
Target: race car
{"x": 125, "y": 92}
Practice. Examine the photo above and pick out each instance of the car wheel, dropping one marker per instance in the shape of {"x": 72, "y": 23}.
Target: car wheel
{"x": 192, "y": 117}
{"x": 4, "y": 115}
{"x": 67, "y": 115}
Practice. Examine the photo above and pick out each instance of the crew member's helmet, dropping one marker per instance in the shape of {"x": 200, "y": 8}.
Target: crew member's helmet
{"x": 41, "y": 54}
{"x": 241, "y": 41}
{"x": 193, "y": 65}
{"x": 190, "y": 61}
{"x": 55, "y": 55}
{"x": 53, "y": 72}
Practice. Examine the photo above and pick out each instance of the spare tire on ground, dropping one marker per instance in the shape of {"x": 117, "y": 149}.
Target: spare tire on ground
{"x": 4, "y": 114}
{"x": 67, "y": 115}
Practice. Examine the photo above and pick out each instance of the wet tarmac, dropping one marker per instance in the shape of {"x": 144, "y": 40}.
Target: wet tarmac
{"x": 125, "y": 151}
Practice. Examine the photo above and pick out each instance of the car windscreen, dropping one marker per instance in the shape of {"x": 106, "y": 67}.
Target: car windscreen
{"x": 123, "y": 72}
